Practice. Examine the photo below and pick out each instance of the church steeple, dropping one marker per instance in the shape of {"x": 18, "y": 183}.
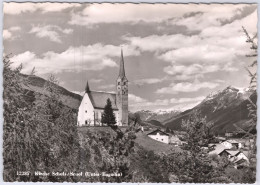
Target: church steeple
{"x": 122, "y": 94}
{"x": 87, "y": 89}
{"x": 122, "y": 66}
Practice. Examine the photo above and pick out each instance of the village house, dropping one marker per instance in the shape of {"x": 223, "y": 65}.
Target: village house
{"x": 232, "y": 144}
{"x": 239, "y": 158}
{"x": 229, "y": 134}
{"x": 93, "y": 103}
{"x": 159, "y": 135}
{"x": 234, "y": 155}
{"x": 174, "y": 140}
{"x": 221, "y": 139}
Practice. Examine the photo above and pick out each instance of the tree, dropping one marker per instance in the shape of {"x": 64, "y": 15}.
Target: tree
{"x": 108, "y": 116}
{"x": 39, "y": 131}
{"x": 249, "y": 173}
{"x": 193, "y": 165}
{"x": 250, "y": 132}
{"x": 135, "y": 118}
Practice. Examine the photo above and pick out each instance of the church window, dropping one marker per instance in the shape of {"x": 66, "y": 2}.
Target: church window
{"x": 123, "y": 92}
{"x": 124, "y": 83}
{"x": 118, "y": 83}
{"x": 86, "y": 122}
{"x": 86, "y": 111}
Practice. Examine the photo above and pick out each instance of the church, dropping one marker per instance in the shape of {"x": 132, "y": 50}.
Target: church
{"x": 93, "y": 102}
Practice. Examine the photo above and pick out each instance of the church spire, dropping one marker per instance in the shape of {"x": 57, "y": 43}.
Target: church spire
{"x": 122, "y": 67}
{"x": 87, "y": 89}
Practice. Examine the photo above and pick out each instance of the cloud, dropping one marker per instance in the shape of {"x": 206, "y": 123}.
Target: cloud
{"x": 139, "y": 103}
{"x": 162, "y": 42}
{"x": 95, "y": 80}
{"x": 108, "y": 86}
{"x": 18, "y": 8}
{"x": 149, "y": 81}
{"x": 190, "y": 69}
{"x": 218, "y": 47}
{"x": 122, "y": 13}
{"x": 175, "y": 88}
{"x": 92, "y": 57}
{"x": 7, "y": 34}
{"x": 133, "y": 99}
{"x": 15, "y": 28}
{"x": 212, "y": 16}
{"x": 187, "y": 100}
{"x": 182, "y": 14}
{"x": 50, "y": 31}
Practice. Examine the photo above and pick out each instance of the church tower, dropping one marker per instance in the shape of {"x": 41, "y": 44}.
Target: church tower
{"x": 122, "y": 94}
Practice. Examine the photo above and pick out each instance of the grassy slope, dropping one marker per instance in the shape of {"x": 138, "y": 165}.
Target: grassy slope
{"x": 70, "y": 99}
{"x": 156, "y": 146}
{"x": 141, "y": 139}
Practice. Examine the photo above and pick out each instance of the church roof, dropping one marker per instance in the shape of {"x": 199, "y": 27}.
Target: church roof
{"x": 99, "y": 99}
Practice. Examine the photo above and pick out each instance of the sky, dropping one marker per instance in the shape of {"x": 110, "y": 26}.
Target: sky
{"x": 175, "y": 54}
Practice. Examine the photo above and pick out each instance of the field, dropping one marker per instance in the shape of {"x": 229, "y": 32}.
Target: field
{"x": 141, "y": 139}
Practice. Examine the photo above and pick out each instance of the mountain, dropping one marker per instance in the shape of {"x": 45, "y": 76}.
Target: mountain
{"x": 223, "y": 108}
{"x": 36, "y": 84}
{"x": 160, "y": 116}
{"x": 155, "y": 123}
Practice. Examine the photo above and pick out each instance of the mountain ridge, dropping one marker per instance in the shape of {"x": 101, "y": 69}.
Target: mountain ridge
{"x": 223, "y": 108}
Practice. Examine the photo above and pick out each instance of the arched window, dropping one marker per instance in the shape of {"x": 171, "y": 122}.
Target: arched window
{"x": 118, "y": 83}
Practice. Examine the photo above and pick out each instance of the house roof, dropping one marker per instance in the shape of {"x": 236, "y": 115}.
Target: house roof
{"x": 218, "y": 149}
{"x": 99, "y": 99}
{"x": 233, "y": 152}
{"x": 232, "y": 141}
{"x": 157, "y": 131}
{"x": 240, "y": 161}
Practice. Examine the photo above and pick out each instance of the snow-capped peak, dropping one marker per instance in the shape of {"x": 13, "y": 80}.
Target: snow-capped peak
{"x": 212, "y": 95}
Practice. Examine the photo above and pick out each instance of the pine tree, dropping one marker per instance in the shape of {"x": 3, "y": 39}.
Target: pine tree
{"x": 108, "y": 117}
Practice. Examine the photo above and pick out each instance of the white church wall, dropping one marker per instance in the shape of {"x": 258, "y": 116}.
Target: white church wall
{"x": 98, "y": 116}
{"x": 86, "y": 112}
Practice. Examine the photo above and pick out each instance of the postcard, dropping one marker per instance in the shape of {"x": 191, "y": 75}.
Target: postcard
{"x": 124, "y": 92}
